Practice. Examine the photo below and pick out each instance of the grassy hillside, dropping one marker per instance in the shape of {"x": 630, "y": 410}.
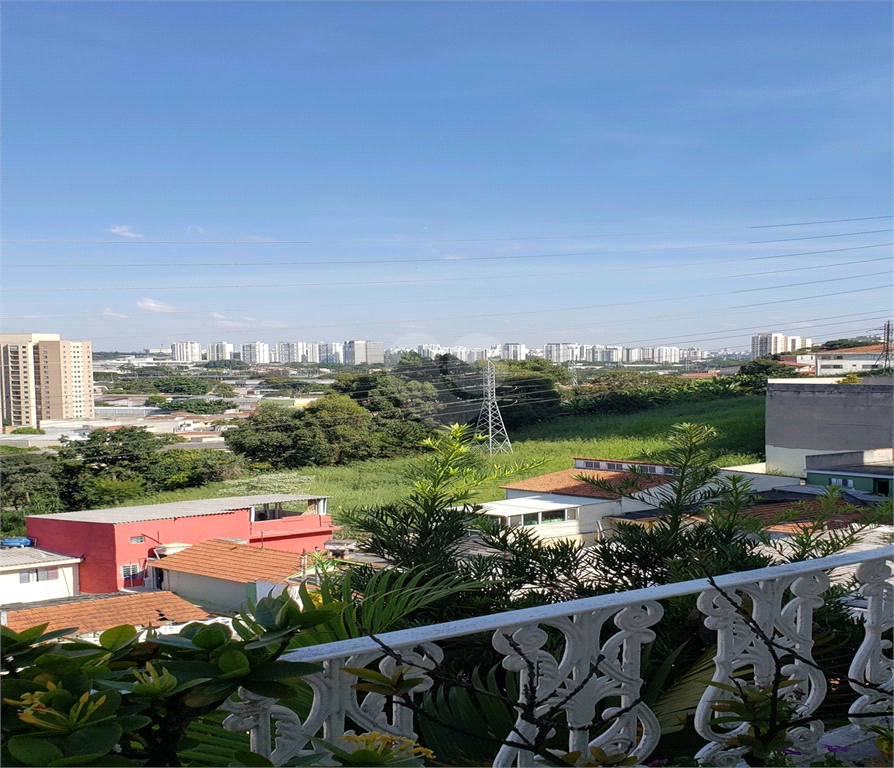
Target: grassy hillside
{"x": 634, "y": 436}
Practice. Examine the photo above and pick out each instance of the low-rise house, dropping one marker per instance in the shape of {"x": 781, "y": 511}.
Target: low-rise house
{"x": 116, "y": 543}
{"x": 851, "y": 360}
{"x": 867, "y": 471}
{"x": 93, "y": 614}
{"x": 29, "y": 574}
{"x": 225, "y": 575}
{"x": 560, "y": 505}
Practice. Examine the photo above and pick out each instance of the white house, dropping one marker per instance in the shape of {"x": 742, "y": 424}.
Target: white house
{"x": 29, "y": 574}
{"x": 852, "y": 360}
{"x": 559, "y": 505}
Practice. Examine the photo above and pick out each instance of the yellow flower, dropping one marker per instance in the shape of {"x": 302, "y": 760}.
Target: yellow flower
{"x": 388, "y": 744}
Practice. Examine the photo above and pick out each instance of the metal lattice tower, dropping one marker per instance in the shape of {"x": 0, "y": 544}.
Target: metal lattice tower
{"x": 887, "y": 354}
{"x": 490, "y": 421}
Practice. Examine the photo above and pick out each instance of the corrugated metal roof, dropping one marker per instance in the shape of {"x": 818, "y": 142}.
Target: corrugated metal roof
{"x": 195, "y": 508}
{"x": 18, "y": 557}
{"x": 518, "y": 506}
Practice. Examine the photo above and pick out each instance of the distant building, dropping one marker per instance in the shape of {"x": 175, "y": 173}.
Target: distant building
{"x": 364, "y": 353}
{"x": 765, "y": 344}
{"x": 43, "y": 377}
{"x": 514, "y": 351}
{"x": 331, "y": 352}
{"x": 256, "y": 353}
{"x": 186, "y": 352}
{"x": 561, "y": 352}
{"x": 220, "y": 350}
{"x": 29, "y": 574}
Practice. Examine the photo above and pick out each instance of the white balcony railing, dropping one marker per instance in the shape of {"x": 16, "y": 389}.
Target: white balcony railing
{"x": 606, "y": 677}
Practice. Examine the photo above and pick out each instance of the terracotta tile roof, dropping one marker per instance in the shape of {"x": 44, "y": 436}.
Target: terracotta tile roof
{"x": 871, "y": 349}
{"x": 564, "y": 482}
{"x": 141, "y": 609}
{"x": 709, "y": 375}
{"x": 219, "y": 559}
{"x": 797, "y": 514}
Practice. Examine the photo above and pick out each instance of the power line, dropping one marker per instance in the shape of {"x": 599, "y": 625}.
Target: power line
{"x": 393, "y": 241}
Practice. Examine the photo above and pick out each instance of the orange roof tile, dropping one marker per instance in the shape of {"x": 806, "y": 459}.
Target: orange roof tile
{"x": 796, "y": 514}
{"x": 219, "y": 559}
{"x": 871, "y": 349}
{"x": 564, "y": 482}
{"x": 141, "y": 609}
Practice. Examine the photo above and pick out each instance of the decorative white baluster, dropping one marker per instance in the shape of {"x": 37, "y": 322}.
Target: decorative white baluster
{"x": 586, "y": 675}
{"x": 580, "y": 672}
{"x": 872, "y": 664}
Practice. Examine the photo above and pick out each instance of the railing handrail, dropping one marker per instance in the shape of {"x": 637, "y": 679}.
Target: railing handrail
{"x": 434, "y": 632}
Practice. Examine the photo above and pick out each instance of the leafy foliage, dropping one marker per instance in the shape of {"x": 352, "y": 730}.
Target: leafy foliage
{"x": 129, "y": 699}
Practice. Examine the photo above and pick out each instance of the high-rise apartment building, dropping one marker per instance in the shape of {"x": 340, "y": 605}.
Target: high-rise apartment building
{"x": 220, "y": 350}
{"x": 186, "y": 352}
{"x": 514, "y": 351}
{"x": 43, "y": 377}
{"x": 256, "y": 353}
{"x": 777, "y": 344}
{"x": 364, "y": 352}
{"x": 331, "y": 352}
{"x": 561, "y": 352}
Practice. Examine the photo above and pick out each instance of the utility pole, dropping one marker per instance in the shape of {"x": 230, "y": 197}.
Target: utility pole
{"x": 490, "y": 421}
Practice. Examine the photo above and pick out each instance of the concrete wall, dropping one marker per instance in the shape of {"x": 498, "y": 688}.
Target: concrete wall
{"x": 212, "y": 594}
{"x": 848, "y": 458}
{"x": 65, "y": 585}
{"x": 814, "y": 416}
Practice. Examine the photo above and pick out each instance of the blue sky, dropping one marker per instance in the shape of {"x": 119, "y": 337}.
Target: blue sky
{"x": 454, "y": 173}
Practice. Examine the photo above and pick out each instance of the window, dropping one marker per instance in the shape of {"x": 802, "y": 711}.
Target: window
{"x": 553, "y": 516}
{"x": 591, "y": 464}
{"x": 131, "y": 571}
{"x": 614, "y": 465}
{"x": 842, "y": 482}
{"x": 47, "y": 574}
{"x": 137, "y": 539}
{"x": 38, "y": 574}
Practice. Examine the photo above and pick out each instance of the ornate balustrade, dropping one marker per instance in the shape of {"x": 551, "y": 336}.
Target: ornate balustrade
{"x": 592, "y": 668}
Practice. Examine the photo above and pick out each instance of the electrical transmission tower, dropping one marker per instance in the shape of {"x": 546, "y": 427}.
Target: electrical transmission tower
{"x": 886, "y": 356}
{"x": 490, "y": 422}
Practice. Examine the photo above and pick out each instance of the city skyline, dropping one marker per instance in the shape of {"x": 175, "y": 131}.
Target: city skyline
{"x": 639, "y": 174}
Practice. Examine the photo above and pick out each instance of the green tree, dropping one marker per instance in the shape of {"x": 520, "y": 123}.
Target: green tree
{"x": 231, "y": 365}
{"x": 222, "y": 389}
{"x": 527, "y": 400}
{"x": 767, "y": 367}
{"x": 182, "y": 385}
{"x": 333, "y": 430}
{"x": 198, "y": 406}
{"x": 427, "y": 528}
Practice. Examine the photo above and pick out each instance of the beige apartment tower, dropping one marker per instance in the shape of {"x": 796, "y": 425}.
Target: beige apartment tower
{"x": 43, "y": 377}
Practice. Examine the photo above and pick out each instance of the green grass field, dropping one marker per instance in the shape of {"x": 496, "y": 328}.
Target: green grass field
{"x": 636, "y": 436}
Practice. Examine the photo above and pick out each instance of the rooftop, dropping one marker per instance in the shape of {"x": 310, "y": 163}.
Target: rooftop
{"x": 220, "y": 559}
{"x": 195, "y": 508}
{"x": 565, "y": 483}
{"x": 19, "y": 557}
{"x": 142, "y": 609}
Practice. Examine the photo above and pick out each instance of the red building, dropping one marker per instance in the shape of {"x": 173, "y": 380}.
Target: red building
{"x": 116, "y": 543}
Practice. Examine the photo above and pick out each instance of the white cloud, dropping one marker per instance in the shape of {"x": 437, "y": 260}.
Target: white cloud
{"x": 232, "y": 324}
{"x": 123, "y": 230}
{"x": 218, "y": 316}
{"x": 109, "y": 313}
{"x": 151, "y": 305}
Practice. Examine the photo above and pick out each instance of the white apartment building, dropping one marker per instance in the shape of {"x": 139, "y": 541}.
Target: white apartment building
{"x": 856, "y": 359}
{"x": 256, "y": 353}
{"x": 633, "y": 354}
{"x": 364, "y": 352}
{"x": 666, "y": 355}
{"x": 764, "y": 344}
{"x": 43, "y": 377}
{"x": 514, "y": 351}
{"x": 331, "y": 352}
{"x": 186, "y": 352}
{"x": 561, "y": 352}
{"x": 220, "y": 350}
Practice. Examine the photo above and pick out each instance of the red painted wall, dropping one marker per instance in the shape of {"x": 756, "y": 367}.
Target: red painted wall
{"x": 105, "y": 547}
